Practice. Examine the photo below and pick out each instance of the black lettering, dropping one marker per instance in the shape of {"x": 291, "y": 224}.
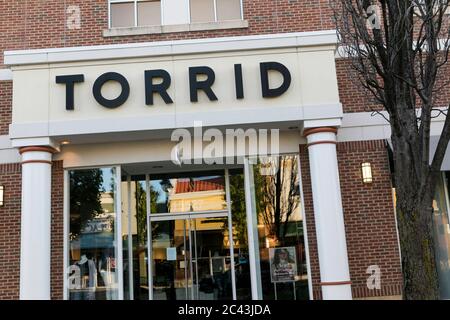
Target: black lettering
{"x": 238, "y": 81}
{"x": 116, "y": 102}
{"x": 69, "y": 81}
{"x": 267, "y": 92}
{"x": 161, "y": 88}
{"x": 204, "y": 85}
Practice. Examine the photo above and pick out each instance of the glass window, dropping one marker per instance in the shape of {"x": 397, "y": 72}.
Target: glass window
{"x": 280, "y": 228}
{"x": 149, "y": 13}
{"x": 135, "y": 251}
{"x": 240, "y": 238}
{"x": 228, "y": 10}
{"x": 442, "y": 236}
{"x": 122, "y": 13}
{"x": 173, "y": 194}
{"x": 92, "y": 273}
{"x": 202, "y": 11}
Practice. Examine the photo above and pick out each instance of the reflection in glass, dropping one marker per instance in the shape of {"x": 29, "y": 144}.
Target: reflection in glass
{"x": 188, "y": 194}
{"x": 280, "y": 225}
{"x": 240, "y": 239}
{"x": 122, "y": 14}
{"x": 135, "y": 224}
{"x": 202, "y": 11}
{"x": 228, "y": 10}
{"x": 191, "y": 260}
{"x": 442, "y": 237}
{"x": 92, "y": 258}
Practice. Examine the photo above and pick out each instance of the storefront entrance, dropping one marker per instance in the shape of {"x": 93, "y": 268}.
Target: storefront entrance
{"x": 233, "y": 233}
{"x": 179, "y": 237}
{"x": 189, "y": 257}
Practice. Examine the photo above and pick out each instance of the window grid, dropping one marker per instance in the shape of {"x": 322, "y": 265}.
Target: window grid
{"x": 135, "y": 7}
{"x": 216, "y": 16}
{"x": 135, "y": 2}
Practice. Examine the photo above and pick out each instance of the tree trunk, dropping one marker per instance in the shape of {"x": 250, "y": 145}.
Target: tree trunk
{"x": 420, "y": 278}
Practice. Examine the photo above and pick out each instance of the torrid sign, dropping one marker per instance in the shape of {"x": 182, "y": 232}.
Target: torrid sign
{"x": 158, "y": 81}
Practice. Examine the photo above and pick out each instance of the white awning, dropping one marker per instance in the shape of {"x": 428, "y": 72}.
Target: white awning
{"x": 433, "y": 145}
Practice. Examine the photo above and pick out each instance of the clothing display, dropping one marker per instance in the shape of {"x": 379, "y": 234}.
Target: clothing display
{"x": 88, "y": 279}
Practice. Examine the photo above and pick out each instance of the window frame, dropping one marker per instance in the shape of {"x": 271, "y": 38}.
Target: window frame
{"x": 241, "y": 5}
{"x": 135, "y": 13}
{"x": 135, "y": 2}
{"x": 118, "y": 227}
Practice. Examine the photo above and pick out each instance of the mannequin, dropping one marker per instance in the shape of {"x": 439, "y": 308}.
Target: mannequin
{"x": 88, "y": 272}
{"x": 83, "y": 259}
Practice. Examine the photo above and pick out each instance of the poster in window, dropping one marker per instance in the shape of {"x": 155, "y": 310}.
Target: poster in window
{"x": 283, "y": 264}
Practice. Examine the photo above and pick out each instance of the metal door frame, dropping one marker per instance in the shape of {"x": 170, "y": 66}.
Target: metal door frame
{"x": 188, "y": 216}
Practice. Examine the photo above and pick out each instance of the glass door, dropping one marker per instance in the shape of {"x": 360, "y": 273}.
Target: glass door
{"x": 180, "y": 232}
{"x": 171, "y": 261}
{"x": 190, "y": 259}
{"x": 211, "y": 259}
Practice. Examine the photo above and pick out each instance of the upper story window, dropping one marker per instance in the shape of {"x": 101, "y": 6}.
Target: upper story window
{"x": 215, "y": 10}
{"x": 134, "y": 13}
{"x": 139, "y": 13}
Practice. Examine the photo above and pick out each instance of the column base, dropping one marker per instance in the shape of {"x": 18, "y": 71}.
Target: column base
{"x": 338, "y": 291}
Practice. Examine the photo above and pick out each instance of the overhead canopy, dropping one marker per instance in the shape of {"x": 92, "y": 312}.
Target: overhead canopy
{"x": 433, "y": 145}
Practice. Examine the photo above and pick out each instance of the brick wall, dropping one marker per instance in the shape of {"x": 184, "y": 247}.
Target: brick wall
{"x": 42, "y": 23}
{"x": 310, "y": 224}
{"x": 5, "y": 106}
{"x": 10, "y": 178}
{"x": 57, "y": 250}
{"x": 368, "y": 215}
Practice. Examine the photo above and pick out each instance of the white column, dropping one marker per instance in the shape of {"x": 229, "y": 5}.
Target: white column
{"x": 36, "y": 223}
{"x": 328, "y": 214}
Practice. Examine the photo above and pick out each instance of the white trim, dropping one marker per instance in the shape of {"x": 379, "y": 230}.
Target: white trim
{"x": 215, "y": 10}
{"x": 189, "y": 12}
{"x": 39, "y": 140}
{"x": 169, "y": 28}
{"x": 134, "y": 124}
{"x": 305, "y": 230}
{"x": 9, "y": 156}
{"x": 252, "y": 233}
{"x": 119, "y": 245}
{"x": 342, "y": 51}
{"x": 149, "y": 237}
{"x": 135, "y": 14}
{"x": 109, "y": 14}
{"x": 161, "y": 12}
{"x": 66, "y": 223}
{"x": 230, "y": 233}
{"x": 242, "y": 10}
{"x": 130, "y": 243}
{"x": 177, "y": 47}
{"x": 5, "y": 142}
{"x": 6, "y": 75}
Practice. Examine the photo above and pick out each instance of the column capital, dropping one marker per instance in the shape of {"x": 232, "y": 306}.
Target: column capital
{"x": 37, "y": 154}
{"x": 38, "y": 149}
{"x": 320, "y": 135}
{"x": 310, "y": 131}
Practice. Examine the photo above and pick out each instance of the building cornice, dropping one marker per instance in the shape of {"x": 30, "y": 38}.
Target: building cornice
{"x": 325, "y": 38}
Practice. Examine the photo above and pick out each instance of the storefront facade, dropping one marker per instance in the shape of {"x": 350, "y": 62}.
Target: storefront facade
{"x": 224, "y": 166}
